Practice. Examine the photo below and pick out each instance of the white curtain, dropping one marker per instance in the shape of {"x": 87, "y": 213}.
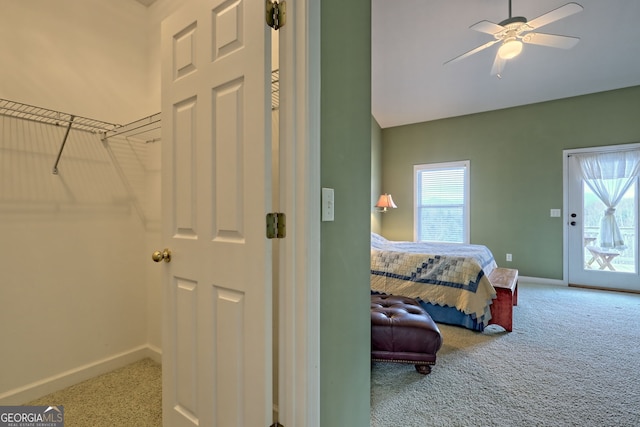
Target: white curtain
{"x": 610, "y": 175}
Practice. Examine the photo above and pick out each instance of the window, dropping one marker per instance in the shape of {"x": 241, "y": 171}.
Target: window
{"x": 441, "y": 202}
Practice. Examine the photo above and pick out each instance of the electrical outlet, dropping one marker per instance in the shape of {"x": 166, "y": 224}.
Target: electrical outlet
{"x": 509, "y": 258}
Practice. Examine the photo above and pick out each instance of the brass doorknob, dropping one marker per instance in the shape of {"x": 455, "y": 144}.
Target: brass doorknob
{"x": 158, "y": 256}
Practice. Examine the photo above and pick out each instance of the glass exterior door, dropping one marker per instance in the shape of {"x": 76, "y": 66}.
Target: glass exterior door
{"x": 590, "y": 263}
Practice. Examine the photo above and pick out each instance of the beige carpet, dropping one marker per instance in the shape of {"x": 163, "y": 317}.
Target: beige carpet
{"x": 127, "y": 397}
{"x": 573, "y": 359}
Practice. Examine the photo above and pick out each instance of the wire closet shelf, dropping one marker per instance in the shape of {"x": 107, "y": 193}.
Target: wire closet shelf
{"x": 69, "y": 121}
{"x": 56, "y": 118}
{"x": 107, "y": 130}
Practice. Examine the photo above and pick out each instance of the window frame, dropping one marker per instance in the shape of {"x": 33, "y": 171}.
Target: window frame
{"x": 464, "y": 164}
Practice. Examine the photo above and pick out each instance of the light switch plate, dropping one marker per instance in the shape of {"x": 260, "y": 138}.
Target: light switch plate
{"x": 555, "y": 213}
{"x": 327, "y": 204}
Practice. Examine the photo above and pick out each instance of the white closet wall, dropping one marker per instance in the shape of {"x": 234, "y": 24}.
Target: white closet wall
{"x": 82, "y": 57}
{"x": 77, "y": 285}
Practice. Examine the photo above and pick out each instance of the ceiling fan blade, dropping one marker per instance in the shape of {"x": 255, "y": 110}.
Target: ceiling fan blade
{"x": 551, "y": 40}
{"x": 498, "y": 66}
{"x": 487, "y": 27}
{"x": 556, "y": 14}
{"x": 472, "y": 51}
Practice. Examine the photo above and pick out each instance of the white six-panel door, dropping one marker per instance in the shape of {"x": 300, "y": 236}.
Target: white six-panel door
{"x": 217, "y": 339}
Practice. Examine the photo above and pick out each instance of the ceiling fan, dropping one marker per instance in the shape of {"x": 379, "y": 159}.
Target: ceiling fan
{"x": 516, "y": 30}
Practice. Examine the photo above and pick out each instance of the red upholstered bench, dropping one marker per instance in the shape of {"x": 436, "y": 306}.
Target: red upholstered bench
{"x": 505, "y": 282}
{"x": 402, "y": 331}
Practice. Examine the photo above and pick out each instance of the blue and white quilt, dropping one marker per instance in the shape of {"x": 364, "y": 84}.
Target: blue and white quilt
{"x": 445, "y": 274}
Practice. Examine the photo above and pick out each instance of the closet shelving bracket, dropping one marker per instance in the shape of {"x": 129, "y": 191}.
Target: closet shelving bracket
{"x": 64, "y": 141}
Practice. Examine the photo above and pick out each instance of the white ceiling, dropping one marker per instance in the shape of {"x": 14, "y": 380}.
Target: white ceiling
{"x": 411, "y": 39}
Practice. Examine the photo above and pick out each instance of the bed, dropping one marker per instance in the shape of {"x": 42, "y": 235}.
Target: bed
{"x": 449, "y": 280}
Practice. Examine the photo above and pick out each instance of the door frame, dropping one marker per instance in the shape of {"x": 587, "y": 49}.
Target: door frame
{"x": 565, "y": 195}
{"x": 299, "y": 344}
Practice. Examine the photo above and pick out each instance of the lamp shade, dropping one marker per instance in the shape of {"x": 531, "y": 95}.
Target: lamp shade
{"x": 384, "y": 202}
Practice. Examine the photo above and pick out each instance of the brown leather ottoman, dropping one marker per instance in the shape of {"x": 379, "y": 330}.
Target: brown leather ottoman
{"x": 403, "y": 332}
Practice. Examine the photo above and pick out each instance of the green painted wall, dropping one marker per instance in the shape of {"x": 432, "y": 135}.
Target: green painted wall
{"x": 345, "y": 331}
{"x": 516, "y": 169}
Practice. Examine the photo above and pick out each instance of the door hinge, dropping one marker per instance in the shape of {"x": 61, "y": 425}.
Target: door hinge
{"x": 276, "y": 225}
{"x": 276, "y": 14}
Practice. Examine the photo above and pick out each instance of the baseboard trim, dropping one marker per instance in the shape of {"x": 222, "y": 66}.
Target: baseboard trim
{"x": 34, "y": 390}
{"x": 601, "y": 288}
{"x": 154, "y": 353}
{"x": 541, "y": 281}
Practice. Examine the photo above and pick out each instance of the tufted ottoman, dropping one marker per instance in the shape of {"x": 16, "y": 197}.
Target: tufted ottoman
{"x": 402, "y": 331}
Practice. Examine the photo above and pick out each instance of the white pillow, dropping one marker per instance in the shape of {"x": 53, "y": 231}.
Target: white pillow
{"x": 377, "y": 241}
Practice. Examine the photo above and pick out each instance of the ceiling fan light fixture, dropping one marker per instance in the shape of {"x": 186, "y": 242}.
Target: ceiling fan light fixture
{"x": 510, "y": 49}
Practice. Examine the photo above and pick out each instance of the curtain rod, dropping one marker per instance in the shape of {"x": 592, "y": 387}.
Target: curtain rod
{"x": 604, "y": 149}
